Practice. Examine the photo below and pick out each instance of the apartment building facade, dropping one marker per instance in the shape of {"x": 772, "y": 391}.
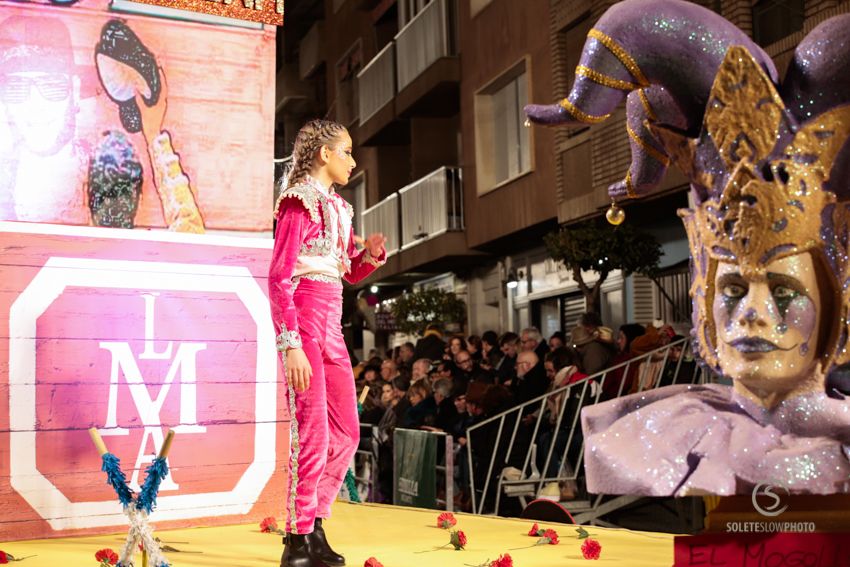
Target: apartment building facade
{"x": 432, "y": 92}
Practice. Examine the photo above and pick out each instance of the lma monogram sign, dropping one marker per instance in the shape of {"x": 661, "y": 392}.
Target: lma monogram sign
{"x": 136, "y": 347}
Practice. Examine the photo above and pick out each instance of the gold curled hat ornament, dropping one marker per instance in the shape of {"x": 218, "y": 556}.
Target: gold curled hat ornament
{"x": 772, "y": 201}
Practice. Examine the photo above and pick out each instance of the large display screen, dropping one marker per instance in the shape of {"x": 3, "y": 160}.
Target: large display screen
{"x": 119, "y": 119}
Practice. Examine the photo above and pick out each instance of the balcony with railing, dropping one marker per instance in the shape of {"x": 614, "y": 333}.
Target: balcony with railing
{"x": 376, "y": 85}
{"x": 431, "y": 206}
{"x": 427, "y": 65}
{"x": 424, "y": 225}
{"x": 383, "y": 217}
{"x": 376, "y": 82}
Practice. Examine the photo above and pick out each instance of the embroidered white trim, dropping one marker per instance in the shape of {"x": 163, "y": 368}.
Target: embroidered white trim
{"x": 294, "y": 451}
{"x": 369, "y": 259}
{"x": 316, "y": 278}
{"x": 309, "y": 197}
{"x": 288, "y": 339}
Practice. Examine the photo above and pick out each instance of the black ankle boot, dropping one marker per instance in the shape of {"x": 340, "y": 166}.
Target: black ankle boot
{"x": 320, "y": 549}
{"x": 297, "y": 552}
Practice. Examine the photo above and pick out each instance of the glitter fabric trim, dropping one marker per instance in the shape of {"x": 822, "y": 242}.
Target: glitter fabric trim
{"x": 646, "y": 106}
{"x": 605, "y": 80}
{"x": 288, "y": 339}
{"x": 320, "y": 246}
{"x": 324, "y": 278}
{"x": 305, "y": 193}
{"x": 294, "y": 451}
{"x": 647, "y": 148}
{"x": 620, "y": 54}
{"x": 630, "y": 188}
{"x": 580, "y": 115}
{"x": 369, "y": 259}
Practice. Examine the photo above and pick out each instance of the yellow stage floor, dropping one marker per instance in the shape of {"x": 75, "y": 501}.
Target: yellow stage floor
{"x": 359, "y": 531}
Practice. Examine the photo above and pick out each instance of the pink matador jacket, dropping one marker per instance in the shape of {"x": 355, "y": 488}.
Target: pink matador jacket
{"x": 316, "y": 242}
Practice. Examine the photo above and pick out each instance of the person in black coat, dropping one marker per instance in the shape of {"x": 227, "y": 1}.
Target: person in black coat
{"x": 431, "y": 345}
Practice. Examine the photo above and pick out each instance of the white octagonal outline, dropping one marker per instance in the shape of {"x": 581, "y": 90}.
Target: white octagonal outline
{"x": 46, "y": 286}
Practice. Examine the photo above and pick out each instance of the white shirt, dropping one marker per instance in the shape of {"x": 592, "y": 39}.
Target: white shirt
{"x": 337, "y": 230}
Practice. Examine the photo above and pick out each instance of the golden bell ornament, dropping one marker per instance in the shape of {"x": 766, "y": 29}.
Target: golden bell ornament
{"x": 615, "y": 215}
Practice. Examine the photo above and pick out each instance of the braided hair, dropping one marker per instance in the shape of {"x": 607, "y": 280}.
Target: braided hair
{"x": 308, "y": 142}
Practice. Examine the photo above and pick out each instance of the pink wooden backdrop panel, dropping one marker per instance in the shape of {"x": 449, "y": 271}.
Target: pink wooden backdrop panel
{"x": 75, "y": 369}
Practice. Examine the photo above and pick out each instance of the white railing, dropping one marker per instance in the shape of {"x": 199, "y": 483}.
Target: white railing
{"x": 376, "y": 82}
{"x": 510, "y": 442}
{"x": 383, "y": 217}
{"x": 426, "y": 38}
{"x": 431, "y": 206}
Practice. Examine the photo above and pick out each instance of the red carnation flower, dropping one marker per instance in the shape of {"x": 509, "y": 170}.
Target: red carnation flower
{"x": 106, "y": 557}
{"x": 503, "y": 561}
{"x": 446, "y": 520}
{"x": 591, "y": 549}
{"x": 533, "y": 532}
{"x": 372, "y": 562}
{"x": 268, "y": 525}
{"x": 552, "y": 536}
{"x": 458, "y": 540}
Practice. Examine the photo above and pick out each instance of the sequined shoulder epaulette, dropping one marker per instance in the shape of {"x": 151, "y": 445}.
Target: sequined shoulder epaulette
{"x": 308, "y": 196}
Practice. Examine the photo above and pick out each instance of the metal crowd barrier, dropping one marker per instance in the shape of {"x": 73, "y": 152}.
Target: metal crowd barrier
{"x": 527, "y": 481}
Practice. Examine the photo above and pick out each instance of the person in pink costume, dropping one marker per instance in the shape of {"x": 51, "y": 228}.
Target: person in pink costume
{"x": 314, "y": 250}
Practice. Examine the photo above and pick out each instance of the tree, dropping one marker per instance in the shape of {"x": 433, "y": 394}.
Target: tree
{"x": 415, "y": 310}
{"x": 602, "y": 248}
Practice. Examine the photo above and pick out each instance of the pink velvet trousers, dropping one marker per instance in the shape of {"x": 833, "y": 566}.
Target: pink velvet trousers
{"x": 324, "y": 425}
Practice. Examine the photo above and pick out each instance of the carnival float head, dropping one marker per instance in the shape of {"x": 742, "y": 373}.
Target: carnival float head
{"x": 769, "y": 173}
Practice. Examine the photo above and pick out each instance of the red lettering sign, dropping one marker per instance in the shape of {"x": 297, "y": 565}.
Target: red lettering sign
{"x": 763, "y": 550}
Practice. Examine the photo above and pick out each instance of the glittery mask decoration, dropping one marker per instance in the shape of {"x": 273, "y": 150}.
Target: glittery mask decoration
{"x": 773, "y": 203}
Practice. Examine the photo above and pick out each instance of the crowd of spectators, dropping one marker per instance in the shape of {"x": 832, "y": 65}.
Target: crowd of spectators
{"x": 449, "y": 383}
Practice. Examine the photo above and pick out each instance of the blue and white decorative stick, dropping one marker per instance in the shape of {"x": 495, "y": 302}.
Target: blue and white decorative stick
{"x": 137, "y": 509}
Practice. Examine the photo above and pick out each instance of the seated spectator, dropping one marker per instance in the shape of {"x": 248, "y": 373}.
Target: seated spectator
{"x": 530, "y": 381}
{"x": 405, "y": 355}
{"x": 447, "y": 413}
{"x": 371, "y": 374}
{"x": 680, "y": 367}
{"x": 506, "y": 367}
{"x": 420, "y": 370}
{"x": 402, "y": 404}
{"x": 456, "y": 344}
{"x": 473, "y": 345}
{"x": 423, "y": 408}
{"x": 466, "y": 370}
{"x": 649, "y": 369}
{"x": 375, "y": 405}
{"x": 557, "y": 340}
{"x": 389, "y": 370}
{"x": 619, "y": 381}
{"x": 596, "y": 355}
{"x": 431, "y": 345}
{"x": 531, "y": 339}
{"x": 490, "y": 353}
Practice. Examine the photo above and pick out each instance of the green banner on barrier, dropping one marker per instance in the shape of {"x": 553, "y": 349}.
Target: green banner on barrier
{"x": 414, "y": 475}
